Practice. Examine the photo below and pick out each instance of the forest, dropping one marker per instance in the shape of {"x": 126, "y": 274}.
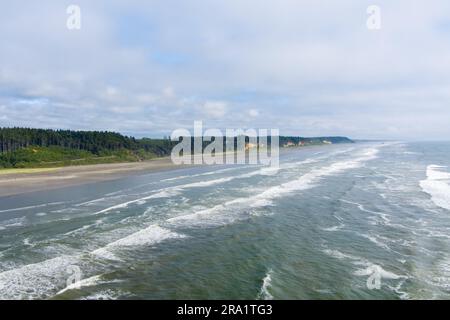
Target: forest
{"x": 26, "y": 147}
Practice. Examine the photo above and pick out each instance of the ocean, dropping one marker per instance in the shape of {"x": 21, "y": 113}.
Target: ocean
{"x": 350, "y": 221}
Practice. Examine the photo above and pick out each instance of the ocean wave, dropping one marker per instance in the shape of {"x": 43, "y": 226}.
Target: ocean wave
{"x": 264, "y": 293}
{"x": 382, "y": 215}
{"x": 309, "y": 179}
{"x": 334, "y": 228}
{"x": 366, "y": 268}
{"x": 442, "y": 279}
{"x": 35, "y": 281}
{"x": 375, "y": 240}
{"x": 108, "y": 294}
{"x": 152, "y": 235}
{"x": 94, "y": 201}
{"x": 378, "y": 270}
{"x": 209, "y": 216}
{"x": 11, "y": 223}
{"x": 32, "y": 207}
{"x": 88, "y": 282}
{"x": 46, "y": 278}
{"x": 201, "y": 174}
{"x": 437, "y": 185}
{"x": 164, "y": 193}
{"x": 83, "y": 228}
{"x": 175, "y": 190}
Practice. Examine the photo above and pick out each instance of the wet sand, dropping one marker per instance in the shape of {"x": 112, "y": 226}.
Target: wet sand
{"x": 17, "y": 183}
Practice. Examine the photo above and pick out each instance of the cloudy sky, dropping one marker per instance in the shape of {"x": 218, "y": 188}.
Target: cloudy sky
{"x": 308, "y": 68}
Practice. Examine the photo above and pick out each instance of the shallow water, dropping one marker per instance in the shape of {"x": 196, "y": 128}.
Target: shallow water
{"x": 329, "y": 224}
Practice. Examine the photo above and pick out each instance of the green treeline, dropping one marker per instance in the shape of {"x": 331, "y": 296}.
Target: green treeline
{"x": 12, "y": 139}
{"x": 313, "y": 141}
{"x": 25, "y": 148}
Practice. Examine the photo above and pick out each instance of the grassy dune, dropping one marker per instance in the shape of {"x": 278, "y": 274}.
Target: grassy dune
{"x": 51, "y": 157}
{"x": 25, "y": 171}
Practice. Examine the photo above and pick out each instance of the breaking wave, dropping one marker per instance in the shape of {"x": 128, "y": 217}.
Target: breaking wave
{"x": 437, "y": 185}
{"x": 264, "y": 293}
{"x": 306, "y": 181}
{"x": 45, "y": 279}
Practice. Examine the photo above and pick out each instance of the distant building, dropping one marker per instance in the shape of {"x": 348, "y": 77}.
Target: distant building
{"x": 250, "y": 146}
{"x": 327, "y": 142}
{"x": 289, "y": 144}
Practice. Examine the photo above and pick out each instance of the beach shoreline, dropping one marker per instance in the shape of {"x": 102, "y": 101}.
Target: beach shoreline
{"x": 18, "y": 182}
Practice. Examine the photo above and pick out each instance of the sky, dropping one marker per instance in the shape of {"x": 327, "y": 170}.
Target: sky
{"x": 307, "y": 68}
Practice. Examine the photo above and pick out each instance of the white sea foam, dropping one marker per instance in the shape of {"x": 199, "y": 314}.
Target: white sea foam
{"x": 442, "y": 278}
{"x": 341, "y": 256}
{"x": 15, "y": 222}
{"x": 176, "y": 178}
{"x": 382, "y": 215}
{"x": 375, "y": 240}
{"x": 152, "y": 235}
{"x": 378, "y": 270}
{"x": 88, "y": 282}
{"x": 264, "y": 171}
{"x": 309, "y": 179}
{"x": 161, "y": 193}
{"x": 121, "y": 192}
{"x": 201, "y": 174}
{"x": 164, "y": 193}
{"x": 334, "y": 228}
{"x": 207, "y": 183}
{"x": 437, "y": 185}
{"x": 170, "y": 192}
{"x": 84, "y": 228}
{"x": 32, "y": 207}
{"x": 106, "y": 295}
{"x": 291, "y": 165}
{"x": 306, "y": 181}
{"x": 175, "y": 190}
{"x": 35, "y": 281}
{"x": 87, "y": 203}
{"x": 264, "y": 293}
{"x": 44, "y": 279}
{"x": 366, "y": 268}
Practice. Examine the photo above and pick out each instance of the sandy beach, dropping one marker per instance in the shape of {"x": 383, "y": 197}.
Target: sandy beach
{"x": 15, "y": 182}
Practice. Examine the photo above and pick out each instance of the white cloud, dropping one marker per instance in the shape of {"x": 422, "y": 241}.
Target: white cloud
{"x": 215, "y": 109}
{"x": 168, "y": 92}
{"x": 126, "y": 109}
{"x": 310, "y": 67}
{"x": 253, "y": 113}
